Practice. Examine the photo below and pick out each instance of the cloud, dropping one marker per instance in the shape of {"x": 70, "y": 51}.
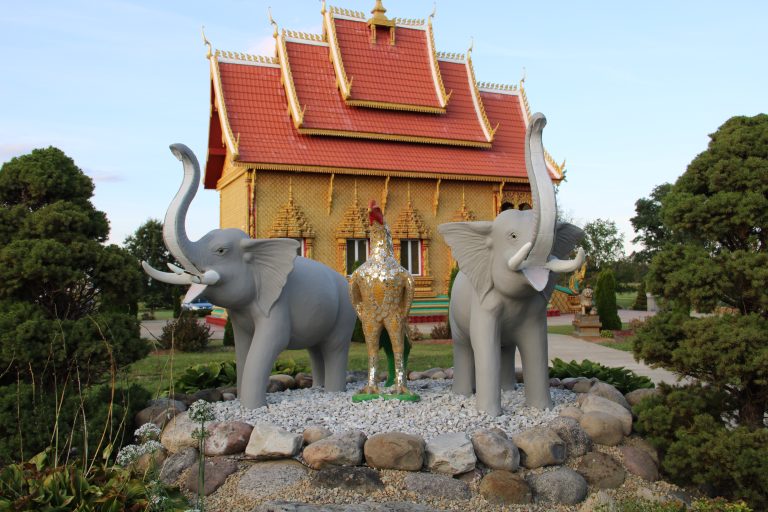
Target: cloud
{"x": 104, "y": 176}
{"x": 8, "y": 151}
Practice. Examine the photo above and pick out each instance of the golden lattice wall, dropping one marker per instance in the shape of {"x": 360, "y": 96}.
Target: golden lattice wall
{"x": 324, "y": 202}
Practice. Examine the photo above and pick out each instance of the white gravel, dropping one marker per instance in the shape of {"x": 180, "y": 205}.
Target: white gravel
{"x": 439, "y": 411}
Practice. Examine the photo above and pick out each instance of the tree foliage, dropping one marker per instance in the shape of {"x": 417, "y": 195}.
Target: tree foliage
{"x": 146, "y": 244}
{"x": 717, "y": 263}
{"x": 605, "y": 301}
{"x": 647, "y": 223}
{"x": 603, "y": 243}
{"x": 68, "y": 302}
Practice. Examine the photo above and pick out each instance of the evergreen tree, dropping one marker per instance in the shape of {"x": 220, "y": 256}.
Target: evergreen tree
{"x": 146, "y": 244}
{"x": 641, "y": 301}
{"x": 718, "y": 211}
{"x": 647, "y": 223}
{"x": 67, "y": 303}
{"x": 605, "y": 301}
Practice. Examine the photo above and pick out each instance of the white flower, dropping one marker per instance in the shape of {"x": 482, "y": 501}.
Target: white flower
{"x": 147, "y": 432}
{"x": 201, "y": 411}
{"x": 130, "y": 453}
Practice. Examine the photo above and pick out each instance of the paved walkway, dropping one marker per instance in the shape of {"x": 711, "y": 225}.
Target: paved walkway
{"x": 565, "y": 347}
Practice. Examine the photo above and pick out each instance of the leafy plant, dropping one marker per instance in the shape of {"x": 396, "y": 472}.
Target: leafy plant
{"x": 41, "y": 485}
{"x": 621, "y": 378}
{"x": 606, "y": 333}
{"x": 288, "y": 367}
{"x": 207, "y": 376}
{"x": 185, "y": 333}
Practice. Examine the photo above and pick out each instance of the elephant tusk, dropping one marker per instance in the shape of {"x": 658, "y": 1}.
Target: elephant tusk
{"x": 561, "y": 266}
{"x": 175, "y": 269}
{"x": 165, "y": 277}
{"x": 516, "y": 260}
{"x": 210, "y": 277}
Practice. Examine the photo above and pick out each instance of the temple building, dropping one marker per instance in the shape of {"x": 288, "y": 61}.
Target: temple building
{"x": 300, "y": 141}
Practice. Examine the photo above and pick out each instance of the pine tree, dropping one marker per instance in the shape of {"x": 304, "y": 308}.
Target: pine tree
{"x": 605, "y": 301}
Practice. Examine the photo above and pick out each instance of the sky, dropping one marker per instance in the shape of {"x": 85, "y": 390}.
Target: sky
{"x": 631, "y": 90}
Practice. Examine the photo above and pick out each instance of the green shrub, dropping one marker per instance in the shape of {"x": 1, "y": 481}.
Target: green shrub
{"x": 605, "y": 333}
{"x": 185, "y": 333}
{"x": 622, "y": 379}
{"x": 207, "y": 376}
{"x": 605, "y": 301}
{"x": 702, "y": 505}
{"x": 40, "y": 484}
{"x": 641, "y": 301}
{"x": 288, "y": 367}
{"x": 229, "y": 334}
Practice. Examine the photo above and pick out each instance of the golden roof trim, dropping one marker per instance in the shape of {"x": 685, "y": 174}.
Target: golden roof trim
{"x": 458, "y": 57}
{"x": 232, "y": 143}
{"x": 482, "y": 117}
{"x": 342, "y": 82}
{"x": 437, "y": 78}
{"x": 385, "y": 105}
{"x": 320, "y": 169}
{"x": 349, "y": 13}
{"x": 393, "y": 137}
{"x": 410, "y": 22}
{"x": 410, "y": 224}
{"x": 294, "y": 107}
{"x": 494, "y": 87}
{"x": 305, "y": 36}
{"x": 246, "y": 58}
{"x": 526, "y": 105}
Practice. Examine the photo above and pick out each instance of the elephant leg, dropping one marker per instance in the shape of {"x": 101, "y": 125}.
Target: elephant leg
{"x": 463, "y": 364}
{"x": 484, "y": 334}
{"x": 396, "y": 328}
{"x": 242, "y": 328}
{"x": 372, "y": 331}
{"x": 532, "y": 343}
{"x": 318, "y": 366}
{"x": 335, "y": 349}
{"x": 508, "y": 380}
{"x": 269, "y": 340}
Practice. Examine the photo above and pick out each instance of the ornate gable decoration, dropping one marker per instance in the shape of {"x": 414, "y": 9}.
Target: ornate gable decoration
{"x": 291, "y": 221}
{"x": 354, "y": 223}
{"x": 463, "y": 214}
{"x": 409, "y": 224}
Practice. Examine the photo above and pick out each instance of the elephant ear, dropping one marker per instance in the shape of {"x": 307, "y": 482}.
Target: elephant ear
{"x": 470, "y": 245}
{"x": 567, "y": 237}
{"x": 272, "y": 261}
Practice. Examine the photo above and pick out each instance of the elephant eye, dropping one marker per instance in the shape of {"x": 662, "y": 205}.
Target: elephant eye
{"x": 512, "y": 235}
{"x": 221, "y": 250}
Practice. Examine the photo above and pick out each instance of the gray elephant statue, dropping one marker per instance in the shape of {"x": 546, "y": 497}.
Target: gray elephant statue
{"x": 275, "y": 299}
{"x": 499, "y": 301}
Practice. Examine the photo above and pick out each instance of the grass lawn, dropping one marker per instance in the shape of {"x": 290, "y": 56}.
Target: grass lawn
{"x": 625, "y": 344}
{"x": 566, "y": 329}
{"x": 160, "y": 314}
{"x": 156, "y": 371}
{"x": 625, "y": 299}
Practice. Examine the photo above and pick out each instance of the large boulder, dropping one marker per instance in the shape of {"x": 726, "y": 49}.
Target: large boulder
{"x": 601, "y": 470}
{"x": 505, "y": 488}
{"x": 640, "y": 463}
{"x": 540, "y": 446}
{"x": 176, "y": 464}
{"x": 609, "y": 392}
{"x": 160, "y": 413}
{"x": 495, "y": 450}
{"x": 228, "y": 437}
{"x": 177, "y": 434}
{"x": 577, "y": 441}
{"x": 638, "y": 395}
{"x": 450, "y": 454}
{"x": 438, "y": 486}
{"x": 315, "y": 433}
{"x": 602, "y": 428}
{"x": 395, "y": 450}
{"x": 269, "y": 441}
{"x": 217, "y": 469}
{"x": 270, "y": 477}
{"x": 594, "y": 403}
{"x": 563, "y": 486}
{"x": 345, "y": 449}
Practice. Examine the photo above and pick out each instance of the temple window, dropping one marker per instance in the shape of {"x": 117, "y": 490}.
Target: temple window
{"x": 410, "y": 256}
{"x": 301, "y": 250}
{"x": 357, "y": 252}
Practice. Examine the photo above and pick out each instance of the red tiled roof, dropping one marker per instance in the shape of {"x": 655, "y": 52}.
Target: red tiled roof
{"x": 256, "y": 110}
{"x": 383, "y": 72}
{"x": 315, "y": 83}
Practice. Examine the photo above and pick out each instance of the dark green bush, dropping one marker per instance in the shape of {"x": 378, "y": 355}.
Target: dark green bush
{"x": 701, "y": 505}
{"x": 605, "y": 301}
{"x": 641, "y": 301}
{"x": 229, "y": 334}
{"x": 185, "y": 333}
{"x": 622, "y": 379}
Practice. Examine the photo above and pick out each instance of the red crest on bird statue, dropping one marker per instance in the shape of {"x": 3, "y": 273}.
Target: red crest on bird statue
{"x": 374, "y": 213}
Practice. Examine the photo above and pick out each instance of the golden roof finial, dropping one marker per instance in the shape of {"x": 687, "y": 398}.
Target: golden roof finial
{"x": 409, "y": 194}
{"x": 471, "y": 46}
{"x": 355, "y": 201}
{"x": 272, "y": 21}
{"x": 290, "y": 190}
{"x": 434, "y": 11}
{"x": 206, "y": 42}
{"x": 378, "y": 12}
{"x": 322, "y": 7}
{"x": 525, "y": 73}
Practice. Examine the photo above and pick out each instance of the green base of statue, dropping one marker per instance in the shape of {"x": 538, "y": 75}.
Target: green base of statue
{"x": 405, "y": 397}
